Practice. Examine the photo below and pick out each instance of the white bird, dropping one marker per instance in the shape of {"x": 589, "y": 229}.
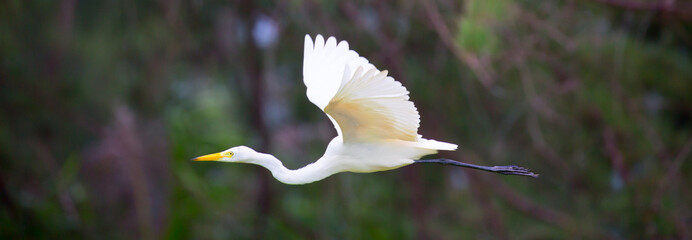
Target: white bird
{"x": 377, "y": 124}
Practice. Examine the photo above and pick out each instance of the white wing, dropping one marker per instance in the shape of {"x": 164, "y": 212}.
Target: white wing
{"x": 362, "y": 102}
{"x": 323, "y": 67}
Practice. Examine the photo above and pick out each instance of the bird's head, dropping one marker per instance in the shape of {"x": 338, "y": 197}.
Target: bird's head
{"x": 239, "y": 154}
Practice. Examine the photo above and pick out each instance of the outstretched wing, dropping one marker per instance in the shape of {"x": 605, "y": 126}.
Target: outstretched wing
{"x": 362, "y": 102}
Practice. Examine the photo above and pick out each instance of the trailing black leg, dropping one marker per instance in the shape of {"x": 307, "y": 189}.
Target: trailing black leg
{"x": 507, "y": 170}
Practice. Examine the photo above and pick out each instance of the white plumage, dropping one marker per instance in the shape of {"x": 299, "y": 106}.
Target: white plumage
{"x": 376, "y": 123}
{"x": 363, "y": 103}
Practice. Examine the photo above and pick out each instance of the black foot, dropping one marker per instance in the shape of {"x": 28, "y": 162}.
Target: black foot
{"x": 514, "y": 170}
{"x": 507, "y": 170}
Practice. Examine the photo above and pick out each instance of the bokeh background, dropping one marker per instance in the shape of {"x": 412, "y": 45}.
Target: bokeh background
{"x": 103, "y": 103}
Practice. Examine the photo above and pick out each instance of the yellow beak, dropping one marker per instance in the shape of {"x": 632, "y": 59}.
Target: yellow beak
{"x": 209, "y": 157}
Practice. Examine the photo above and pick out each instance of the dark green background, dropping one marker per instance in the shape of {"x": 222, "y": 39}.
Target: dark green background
{"x": 103, "y": 103}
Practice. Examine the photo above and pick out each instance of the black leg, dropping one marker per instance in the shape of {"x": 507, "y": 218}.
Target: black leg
{"x": 507, "y": 170}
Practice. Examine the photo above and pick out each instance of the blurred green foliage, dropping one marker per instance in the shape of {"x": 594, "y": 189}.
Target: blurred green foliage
{"x": 103, "y": 103}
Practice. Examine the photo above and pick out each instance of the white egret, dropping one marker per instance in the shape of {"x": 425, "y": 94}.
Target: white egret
{"x": 376, "y": 123}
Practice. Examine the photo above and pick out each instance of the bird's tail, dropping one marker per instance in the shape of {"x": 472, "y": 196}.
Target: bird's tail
{"x": 436, "y": 145}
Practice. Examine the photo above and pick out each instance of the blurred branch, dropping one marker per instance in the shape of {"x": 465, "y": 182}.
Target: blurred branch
{"x": 258, "y": 90}
{"x": 126, "y": 182}
{"x": 125, "y": 123}
{"x": 533, "y": 127}
{"x": 472, "y": 61}
{"x": 65, "y": 21}
{"x": 681, "y": 217}
{"x": 529, "y": 207}
{"x": 669, "y": 8}
{"x": 514, "y": 199}
{"x": 550, "y": 30}
{"x": 493, "y": 218}
{"x": 544, "y": 150}
{"x": 328, "y": 26}
{"x": 672, "y": 173}
{"x": 390, "y": 47}
{"x": 68, "y": 205}
{"x": 614, "y": 153}
{"x": 538, "y": 107}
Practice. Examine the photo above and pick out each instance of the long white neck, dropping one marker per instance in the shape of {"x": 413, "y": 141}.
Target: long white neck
{"x": 316, "y": 171}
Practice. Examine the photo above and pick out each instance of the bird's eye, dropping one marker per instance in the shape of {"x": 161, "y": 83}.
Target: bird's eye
{"x": 228, "y": 154}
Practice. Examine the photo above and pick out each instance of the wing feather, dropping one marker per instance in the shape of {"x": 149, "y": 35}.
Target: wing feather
{"x": 362, "y": 101}
{"x": 323, "y": 67}
{"x": 371, "y": 105}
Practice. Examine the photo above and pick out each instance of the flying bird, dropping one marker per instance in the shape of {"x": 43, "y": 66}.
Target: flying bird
{"x": 377, "y": 124}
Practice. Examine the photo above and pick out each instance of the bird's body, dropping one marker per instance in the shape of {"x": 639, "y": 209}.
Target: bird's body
{"x": 363, "y": 157}
{"x": 376, "y": 123}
